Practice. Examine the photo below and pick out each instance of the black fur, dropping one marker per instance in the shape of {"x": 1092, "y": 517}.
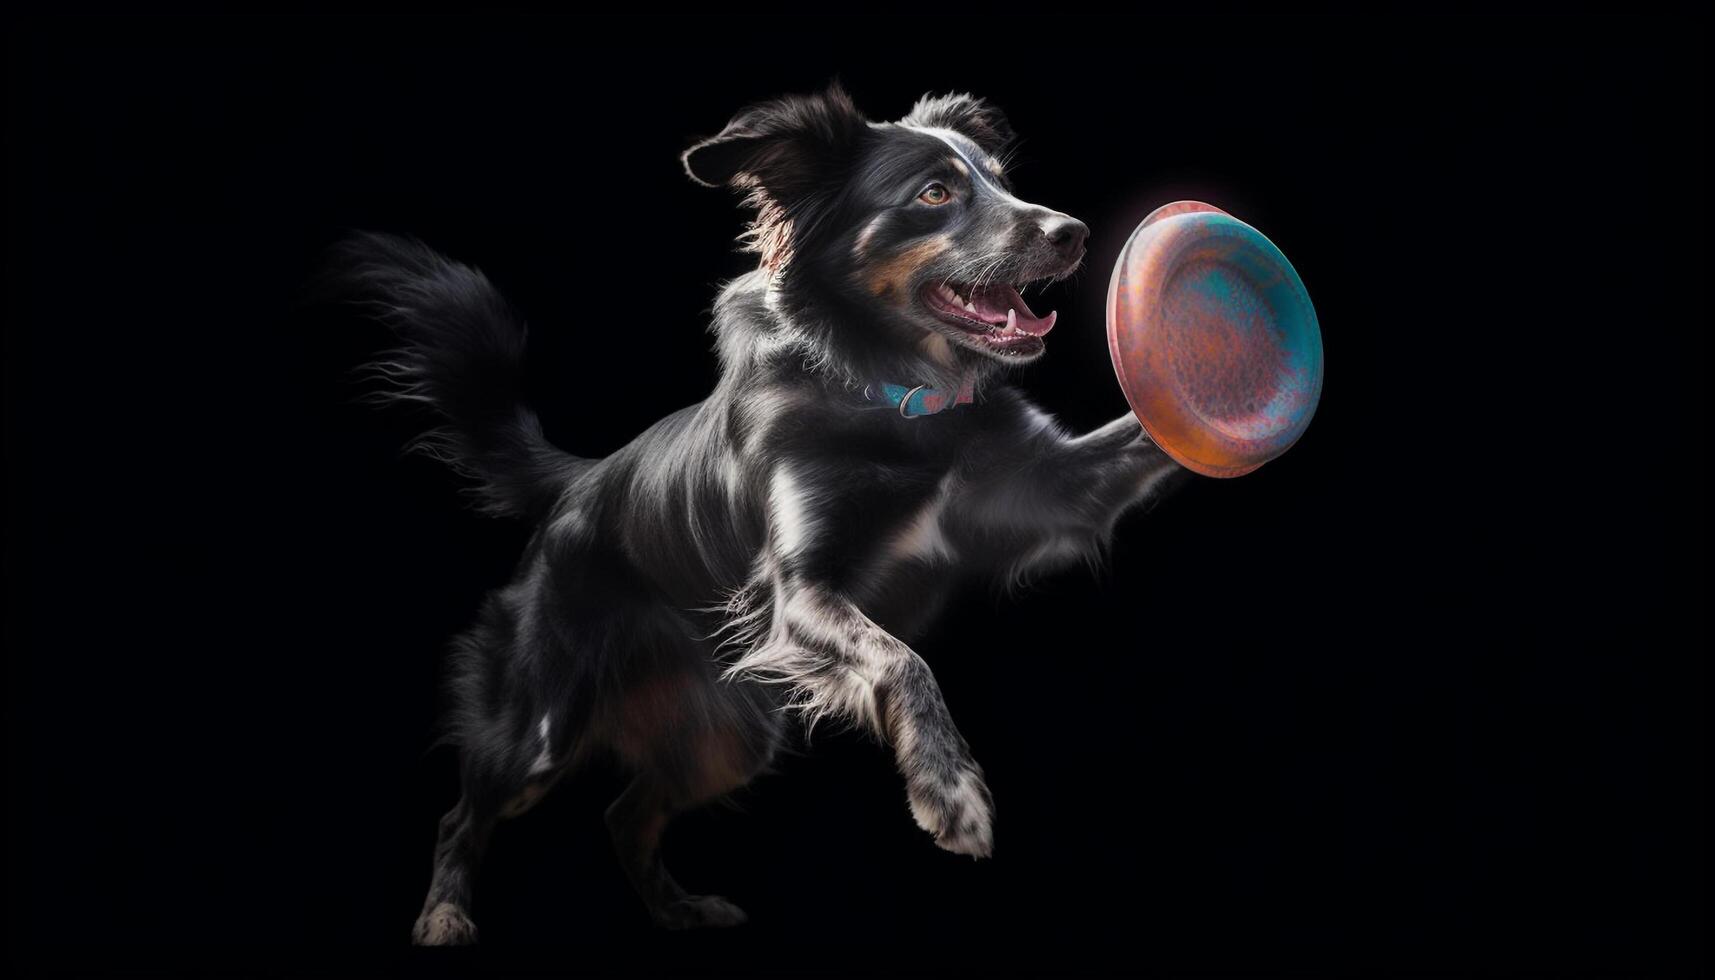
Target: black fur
{"x": 463, "y": 356}
{"x": 773, "y": 548}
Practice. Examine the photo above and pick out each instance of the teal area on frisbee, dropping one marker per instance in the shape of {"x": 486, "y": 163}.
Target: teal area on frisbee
{"x": 1214, "y": 339}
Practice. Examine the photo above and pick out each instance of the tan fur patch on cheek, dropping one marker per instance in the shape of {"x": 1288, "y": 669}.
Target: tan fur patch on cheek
{"x": 892, "y": 277}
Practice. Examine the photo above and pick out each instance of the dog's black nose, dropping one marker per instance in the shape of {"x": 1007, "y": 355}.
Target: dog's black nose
{"x": 1067, "y": 235}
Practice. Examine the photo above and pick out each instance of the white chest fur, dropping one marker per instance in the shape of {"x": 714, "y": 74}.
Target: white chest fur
{"x": 923, "y": 538}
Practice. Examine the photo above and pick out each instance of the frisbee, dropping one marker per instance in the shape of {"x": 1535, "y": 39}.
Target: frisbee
{"x": 1214, "y": 339}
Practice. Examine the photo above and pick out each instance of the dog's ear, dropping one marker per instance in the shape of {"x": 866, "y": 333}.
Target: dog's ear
{"x": 975, "y": 118}
{"x": 782, "y": 144}
{"x": 790, "y": 154}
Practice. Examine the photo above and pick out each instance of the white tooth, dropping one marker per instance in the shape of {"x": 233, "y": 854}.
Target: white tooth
{"x": 969, "y": 308}
{"x": 1011, "y": 319}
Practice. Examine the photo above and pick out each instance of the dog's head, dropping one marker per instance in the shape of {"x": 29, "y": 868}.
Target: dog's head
{"x": 907, "y": 230}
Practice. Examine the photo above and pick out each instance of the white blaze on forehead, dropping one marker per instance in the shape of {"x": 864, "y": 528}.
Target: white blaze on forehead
{"x": 955, "y": 142}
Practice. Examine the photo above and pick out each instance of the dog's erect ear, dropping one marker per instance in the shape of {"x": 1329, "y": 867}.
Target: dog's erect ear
{"x": 790, "y": 155}
{"x": 782, "y": 145}
{"x": 975, "y": 118}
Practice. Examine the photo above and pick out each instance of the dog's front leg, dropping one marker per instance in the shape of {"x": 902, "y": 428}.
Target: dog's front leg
{"x": 840, "y": 663}
{"x": 896, "y": 693}
{"x": 1045, "y": 498}
{"x": 1118, "y": 465}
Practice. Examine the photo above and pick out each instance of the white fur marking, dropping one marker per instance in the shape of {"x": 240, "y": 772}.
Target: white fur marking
{"x": 732, "y": 474}
{"x": 923, "y": 538}
{"x": 951, "y": 138}
{"x": 965, "y": 797}
{"x": 1041, "y": 422}
{"x": 788, "y": 522}
{"x": 822, "y": 688}
{"x": 938, "y": 349}
{"x": 867, "y": 235}
{"x": 544, "y": 761}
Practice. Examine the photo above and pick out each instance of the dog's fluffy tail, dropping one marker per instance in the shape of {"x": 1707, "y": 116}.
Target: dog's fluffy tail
{"x": 460, "y": 353}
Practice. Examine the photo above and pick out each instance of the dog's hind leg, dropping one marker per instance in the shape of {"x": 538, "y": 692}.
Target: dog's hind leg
{"x": 691, "y": 739}
{"x": 445, "y": 919}
{"x": 636, "y": 821}
{"x": 516, "y": 735}
{"x": 496, "y": 785}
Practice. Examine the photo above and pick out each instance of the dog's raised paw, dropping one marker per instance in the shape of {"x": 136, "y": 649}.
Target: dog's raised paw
{"x": 956, "y": 810}
{"x": 700, "y": 912}
{"x": 444, "y": 925}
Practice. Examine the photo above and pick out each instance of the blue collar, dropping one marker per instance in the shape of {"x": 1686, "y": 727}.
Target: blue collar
{"x": 919, "y": 401}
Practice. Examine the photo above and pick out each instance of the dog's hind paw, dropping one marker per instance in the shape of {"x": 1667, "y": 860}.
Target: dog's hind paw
{"x": 699, "y": 912}
{"x": 956, "y": 809}
{"x": 444, "y": 925}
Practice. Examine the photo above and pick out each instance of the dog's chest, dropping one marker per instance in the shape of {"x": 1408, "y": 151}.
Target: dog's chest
{"x": 922, "y": 535}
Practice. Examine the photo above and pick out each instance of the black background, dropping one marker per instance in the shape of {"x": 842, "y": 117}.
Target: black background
{"x": 1429, "y": 692}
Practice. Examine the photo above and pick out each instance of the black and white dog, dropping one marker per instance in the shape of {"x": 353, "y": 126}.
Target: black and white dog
{"x": 770, "y": 551}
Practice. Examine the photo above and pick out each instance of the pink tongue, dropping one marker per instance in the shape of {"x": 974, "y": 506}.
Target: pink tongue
{"x": 992, "y": 302}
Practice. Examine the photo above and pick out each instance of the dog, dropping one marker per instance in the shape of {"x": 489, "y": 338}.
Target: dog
{"x": 763, "y": 558}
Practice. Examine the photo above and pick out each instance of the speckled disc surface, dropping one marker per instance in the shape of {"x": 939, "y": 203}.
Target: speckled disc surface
{"x": 1214, "y": 339}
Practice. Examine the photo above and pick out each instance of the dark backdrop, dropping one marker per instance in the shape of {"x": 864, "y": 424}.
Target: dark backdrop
{"x": 1428, "y": 692}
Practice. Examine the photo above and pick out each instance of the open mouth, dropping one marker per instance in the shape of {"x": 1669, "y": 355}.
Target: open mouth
{"x": 994, "y": 317}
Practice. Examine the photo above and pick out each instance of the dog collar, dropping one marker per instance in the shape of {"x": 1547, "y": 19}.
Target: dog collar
{"x": 919, "y": 401}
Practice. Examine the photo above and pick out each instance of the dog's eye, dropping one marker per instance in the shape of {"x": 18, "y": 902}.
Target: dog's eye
{"x": 935, "y": 194}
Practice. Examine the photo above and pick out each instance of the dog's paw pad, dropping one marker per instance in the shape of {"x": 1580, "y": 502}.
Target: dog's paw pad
{"x": 444, "y": 925}
{"x": 700, "y": 912}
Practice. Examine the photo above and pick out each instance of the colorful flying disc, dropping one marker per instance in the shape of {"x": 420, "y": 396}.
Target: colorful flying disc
{"x": 1214, "y": 339}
